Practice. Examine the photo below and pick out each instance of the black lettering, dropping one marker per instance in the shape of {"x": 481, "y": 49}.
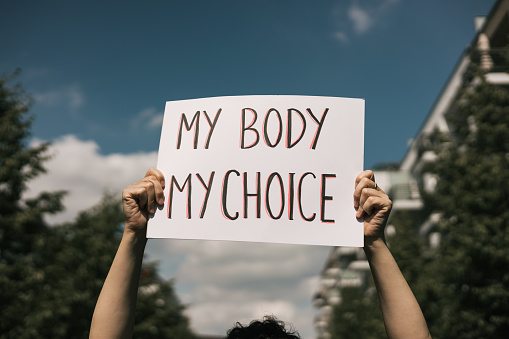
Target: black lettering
{"x": 320, "y": 125}
{"x": 289, "y": 143}
{"x": 212, "y": 126}
{"x": 291, "y": 197}
{"x": 266, "y": 122}
{"x": 257, "y": 195}
{"x": 207, "y": 191}
{"x": 224, "y": 193}
{"x": 325, "y": 198}
{"x": 181, "y": 189}
{"x": 250, "y": 128}
{"x": 299, "y": 197}
{"x": 267, "y": 202}
{"x": 188, "y": 126}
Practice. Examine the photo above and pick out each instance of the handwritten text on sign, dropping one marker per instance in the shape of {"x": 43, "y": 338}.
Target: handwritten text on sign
{"x": 261, "y": 168}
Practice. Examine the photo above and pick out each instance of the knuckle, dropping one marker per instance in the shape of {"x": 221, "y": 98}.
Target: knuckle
{"x": 389, "y": 203}
{"x": 148, "y": 180}
{"x": 155, "y": 173}
{"x": 365, "y": 181}
{"x": 128, "y": 191}
{"x": 145, "y": 183}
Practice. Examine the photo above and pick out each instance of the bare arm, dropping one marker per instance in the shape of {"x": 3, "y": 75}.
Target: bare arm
{"x": 114, "y": 313}
{"x": 402, "y": 315}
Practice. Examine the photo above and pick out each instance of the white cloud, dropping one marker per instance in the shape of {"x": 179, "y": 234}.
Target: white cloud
{"x": 217, "y": 317}
{"x": 290, "y": 262}
{"x": 287, "y": 299}
{"x": 238, "y": 281}
{"x": 148, "y": 118}
{"x": 70, "y": 97}
{"x": 341, "y": 36}
{"x": 356, "y": 19}
{"x": 79, "y": 168}
{"x": 360, "y": 18}
{"x": 222, "y": 282}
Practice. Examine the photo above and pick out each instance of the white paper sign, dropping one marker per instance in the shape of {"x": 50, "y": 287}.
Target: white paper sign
{"x": 261, "y": 168}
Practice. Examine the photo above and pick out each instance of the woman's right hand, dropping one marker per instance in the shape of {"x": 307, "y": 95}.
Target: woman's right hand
{"x": 372, "y": 204}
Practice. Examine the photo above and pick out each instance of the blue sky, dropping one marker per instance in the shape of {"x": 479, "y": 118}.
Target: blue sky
{"x": 97, "y": 66}
{"x": 101, "y": 72}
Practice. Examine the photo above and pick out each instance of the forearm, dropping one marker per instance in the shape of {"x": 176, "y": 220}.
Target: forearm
{"x": 402, "y": 315}
{"x": 114, "y": 313}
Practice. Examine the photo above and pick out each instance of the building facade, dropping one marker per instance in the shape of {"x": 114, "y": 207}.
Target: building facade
{"x": 348, "y": 266}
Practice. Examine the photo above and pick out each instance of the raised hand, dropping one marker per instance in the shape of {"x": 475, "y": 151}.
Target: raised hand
{"x": 139, "y": 200}
{"x": 372, "y": 204}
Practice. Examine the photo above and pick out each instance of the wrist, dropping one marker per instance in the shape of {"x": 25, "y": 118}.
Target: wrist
{"x": 372, "y": 244}
{"x": 134, "y": 232}
{"x": 134, "y": 242}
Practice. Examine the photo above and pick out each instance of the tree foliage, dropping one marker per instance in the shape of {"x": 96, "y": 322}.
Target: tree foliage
{"x": 50, "y": 277}
{"x": 358, "y": 315}
{"x": 473, "y": 194}
{"x": 21, "y": 221}
{"x": 417, "y": 261}
{"x": 463, "y": 284}
{"x": 158, "y": 311}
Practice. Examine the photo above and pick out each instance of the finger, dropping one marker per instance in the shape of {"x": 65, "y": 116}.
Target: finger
{"x": 158, "y": 192}
{"x": 359, "y": 212}
{"x": 135, "y": 193}
{"x": 366, "y": 201}
{"x": 361, "y": 180}
{"x": 148, "y": 184}
{"x": 157, "y": 174}
{"x": 365, "y": 182}
{"x": 144, "y": 193}
{"x": 158, "y": 188}
{"x": 365, "y": 174}
{"x": 365, "y": 195}
{"x": 376, "y": 203}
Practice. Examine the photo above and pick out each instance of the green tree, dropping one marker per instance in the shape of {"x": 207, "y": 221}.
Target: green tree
{"x": 358, "y": 315}
{"x": 473, "y": 194}
{"x": 21, "y": 220}
{"x": 416, "y": 260}
{"x": 77, "y": 259}
{"x": 50, "y": 277}
{"x": 158, "y": 310}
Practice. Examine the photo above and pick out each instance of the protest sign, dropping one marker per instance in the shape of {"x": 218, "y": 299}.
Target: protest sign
{"x": 262, "y": 168}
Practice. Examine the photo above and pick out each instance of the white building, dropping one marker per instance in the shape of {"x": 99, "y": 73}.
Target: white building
{"x": 348, "y": 266}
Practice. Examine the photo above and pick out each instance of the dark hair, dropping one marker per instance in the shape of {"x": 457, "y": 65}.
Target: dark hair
{"x": 268, "y": 328}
